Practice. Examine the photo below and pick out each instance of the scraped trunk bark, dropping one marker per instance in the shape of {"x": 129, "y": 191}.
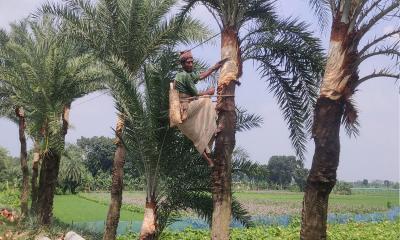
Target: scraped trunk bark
{"x": 225, "y": 140}
{"x": 149, "y": 225}
{"x": 24, "y": 161}
{"x": 336, "y": 89}
{"x": 49, "y": 174}
{"x": 35, "y": 174}
{"x": 117, "y": 184}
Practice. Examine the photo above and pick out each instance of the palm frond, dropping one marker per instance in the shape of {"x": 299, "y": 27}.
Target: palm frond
{"x": 4, "y": 38}
{"x": 350, "y": 118}
{"x": 292, "y": 71}
{"x": 241, "y": 161}
{"x": 240, "y": 214}
{"x": 246, "y": 121}
{"x": 323, "y": 10}
{"x": 258, "y": 11}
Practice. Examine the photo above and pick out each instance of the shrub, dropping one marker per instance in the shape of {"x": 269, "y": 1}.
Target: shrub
{"x": 342, "y": 188}
{"x": 10, "y": 198}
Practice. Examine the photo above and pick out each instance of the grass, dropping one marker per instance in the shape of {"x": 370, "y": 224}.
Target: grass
{"x": 68, "y": 208}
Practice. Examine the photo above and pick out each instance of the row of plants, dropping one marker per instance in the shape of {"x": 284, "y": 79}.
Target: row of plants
{"x": 352, "y": 231}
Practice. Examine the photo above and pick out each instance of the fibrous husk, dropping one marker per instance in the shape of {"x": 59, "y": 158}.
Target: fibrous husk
{"x": 174, "y": 106}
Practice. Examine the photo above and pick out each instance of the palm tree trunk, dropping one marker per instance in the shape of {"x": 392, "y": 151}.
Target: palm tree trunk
{"x": 35, "y": 171}
{"x": 149, "y": 225}
{"x": 336, "y": 89}
{"x": 47, "y": 185}
{"x": 322, "y": 177}
{"x": 49, "y": 174}
{"x": 225, "y": 140}
{"x": 117, "y": 183}
{"x": 24, "y": 162}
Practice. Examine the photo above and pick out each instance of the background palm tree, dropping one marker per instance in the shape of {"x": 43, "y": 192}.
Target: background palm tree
{"x": 352, "y": 20}
{"x": 290, "y": 61}
{"x": 19, "y": 118}
{"x": 11, "y": 110}
{"x": 47, "y": 73}
{"x": 124, "y": 34}
{"x": 72, "y": 169}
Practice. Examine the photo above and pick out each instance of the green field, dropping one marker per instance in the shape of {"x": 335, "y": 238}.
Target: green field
{"x": 277, "y": 202}
{"x": 70, "y": 208}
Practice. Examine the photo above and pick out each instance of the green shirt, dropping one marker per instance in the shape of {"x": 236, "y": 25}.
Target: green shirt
{"x": 185, "y": 82}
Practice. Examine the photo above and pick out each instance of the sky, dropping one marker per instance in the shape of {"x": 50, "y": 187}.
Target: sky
{"x": 374, "y": 154}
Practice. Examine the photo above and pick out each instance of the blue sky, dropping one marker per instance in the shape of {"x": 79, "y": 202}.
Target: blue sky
{"x": 372, "y": 155}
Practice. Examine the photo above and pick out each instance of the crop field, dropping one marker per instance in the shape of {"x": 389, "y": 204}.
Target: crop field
{"x": 279, "y": 202}
{"x": 71, "y": 208}
{"x": 88, "y": 211}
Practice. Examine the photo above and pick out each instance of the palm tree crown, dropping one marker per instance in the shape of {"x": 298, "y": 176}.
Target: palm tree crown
{"x": 288, "y": 57}
{"x": 43, "y": 73}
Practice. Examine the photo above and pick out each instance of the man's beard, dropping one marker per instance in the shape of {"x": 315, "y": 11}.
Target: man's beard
{"x": 188, "y": 70}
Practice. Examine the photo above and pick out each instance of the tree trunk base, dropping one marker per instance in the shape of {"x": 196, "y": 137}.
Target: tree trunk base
{"x": 113, "y": 215}
{"x": 149, "y": 226}
{"x": 47, "y": 186}
{"x": 322, "y": 177}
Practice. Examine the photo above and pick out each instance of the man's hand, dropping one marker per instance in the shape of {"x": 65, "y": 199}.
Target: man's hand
{"x": 209, "y": 91}
{"x": 212, "y": 69}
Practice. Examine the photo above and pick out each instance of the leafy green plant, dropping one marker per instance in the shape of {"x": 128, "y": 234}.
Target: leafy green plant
{"x": 364, "y": 231}
{"x": 10, "y": 198}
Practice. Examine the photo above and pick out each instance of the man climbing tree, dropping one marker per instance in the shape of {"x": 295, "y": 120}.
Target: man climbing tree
{"x": 198, "y": 115}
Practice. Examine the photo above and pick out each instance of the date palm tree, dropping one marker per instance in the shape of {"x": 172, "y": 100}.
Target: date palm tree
{"x": 290, "y": 61}
{"x": 18, "y": 117}
{"x": 176, "y": 178}
{"x": 44, "y": 74}
{"x": 14, "y": 112}
{"x": 124, "y": 34}
{"x": 352, "y": 20}
{"x": 18, "y": 35}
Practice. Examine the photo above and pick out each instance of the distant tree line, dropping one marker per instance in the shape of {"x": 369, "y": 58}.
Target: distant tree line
{"x": 87, "y": 165}
{"x": 281, "y": 172}
{"x": 375, "y": 184}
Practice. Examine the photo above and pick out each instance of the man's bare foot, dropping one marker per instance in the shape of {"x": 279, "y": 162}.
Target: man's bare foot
{"x": 208, "y": 159}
